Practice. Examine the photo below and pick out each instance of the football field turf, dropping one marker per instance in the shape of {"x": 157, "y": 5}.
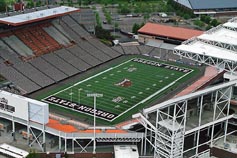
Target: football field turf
{"x": 124, "y": 87}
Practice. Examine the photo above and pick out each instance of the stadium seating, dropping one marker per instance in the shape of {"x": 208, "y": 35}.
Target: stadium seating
{"x": 75, "y": 26}
{"x": 73, "y": 60}
{"x": 48, "y": 69}
{"x": 107, "y": 50}
{"x": 118, "y": 49}
{"x": 82, "y": 54}
{"x": 18, "y": 79}
{"x": 33, "y": 74}
{"x": 94, "y": 52}
{"x": 145, "y": 49}
{"x": 16, "y": 45}
{"x": 9, "y": 57}
{"x": 85, "y": 17}
{"x": 67, "y": 29}
{"x": 38, "y": 40}
{"x": 60, "y": 38}
{"x": 60, "y": 64}
{"x": 131, "y": 50}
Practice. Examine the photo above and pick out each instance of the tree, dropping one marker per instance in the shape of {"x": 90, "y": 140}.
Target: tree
{"x": 7, "y": 3}
{"x": 146, "y": 16}
{"x": 199, "y": 23}
{"x": 2, "y": 5}
{"x": 214, "y": 22}
{"x": 103, "y": 34}
{"x": 116, "y": 25}
{"x": 135, "y": 28}
{"x": 205, "y": 19}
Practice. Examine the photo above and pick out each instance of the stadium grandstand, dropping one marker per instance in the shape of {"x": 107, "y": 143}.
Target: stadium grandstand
{"x": 26, "y": 58}
{"x": 210, "y": 6}
{"x": 157, "y": 33}
{"x": 177, "y": 101}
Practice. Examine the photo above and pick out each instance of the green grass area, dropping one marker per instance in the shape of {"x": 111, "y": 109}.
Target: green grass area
{"x": 126, "y": 88}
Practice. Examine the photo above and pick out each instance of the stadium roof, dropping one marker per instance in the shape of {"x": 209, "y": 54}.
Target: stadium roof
{"x": 230, "y": 24}
{"x": 21, "y": 19}
{"x": 212, "y": 4}
{"x": 202, "y": 48}
{"x": 169, "y": 31}
{"x": 222, "y": 35}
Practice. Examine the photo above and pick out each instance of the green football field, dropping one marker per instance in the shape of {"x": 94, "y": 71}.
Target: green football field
{"x": 124, "y": 87}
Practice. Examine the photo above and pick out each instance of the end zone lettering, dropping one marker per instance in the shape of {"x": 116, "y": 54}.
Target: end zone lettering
{"x": 166, "y": 66}
{"x": 79, "y": 107}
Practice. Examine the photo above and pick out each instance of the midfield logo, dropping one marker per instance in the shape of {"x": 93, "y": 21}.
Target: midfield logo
{"x": 124, "y": 83}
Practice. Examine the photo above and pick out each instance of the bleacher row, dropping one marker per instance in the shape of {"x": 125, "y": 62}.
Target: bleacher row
{"x": 34, "y": 40}
{"x": 47, "y": 69}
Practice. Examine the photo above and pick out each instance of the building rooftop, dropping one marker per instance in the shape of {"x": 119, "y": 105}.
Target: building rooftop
{"x": 169, "y": 31}
{"x": 21, "y": 19}
{"x": 213, "y": 4}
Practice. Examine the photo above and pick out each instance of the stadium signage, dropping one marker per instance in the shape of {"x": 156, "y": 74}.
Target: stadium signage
{"x": 80, "y": 108}
{"x": 5, "y": 107}
{"x": 163, "y": 65}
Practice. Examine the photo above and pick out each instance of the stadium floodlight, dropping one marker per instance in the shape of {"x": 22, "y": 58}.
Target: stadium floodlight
{"x": 95, "y": 95}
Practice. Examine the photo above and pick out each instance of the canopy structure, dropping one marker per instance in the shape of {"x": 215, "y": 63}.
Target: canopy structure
{"x": 231, "y": 24}
{"x": 216, "y": 47}
{"x": 27, "y": 18}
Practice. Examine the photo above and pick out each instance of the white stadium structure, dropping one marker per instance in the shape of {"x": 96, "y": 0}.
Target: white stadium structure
{"x": 216, "y": 47}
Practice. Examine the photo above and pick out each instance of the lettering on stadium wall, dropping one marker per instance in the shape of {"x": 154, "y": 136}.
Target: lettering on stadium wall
{"x": 80, "y": 107}
{"x": 5, "y": 107}
{"x": 163, "y": 65}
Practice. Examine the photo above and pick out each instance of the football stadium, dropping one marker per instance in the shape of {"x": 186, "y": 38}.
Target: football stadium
{"x": 64, "y": 93}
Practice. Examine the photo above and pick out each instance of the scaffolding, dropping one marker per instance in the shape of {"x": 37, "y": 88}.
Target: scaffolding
{"x": 165, "y": 135}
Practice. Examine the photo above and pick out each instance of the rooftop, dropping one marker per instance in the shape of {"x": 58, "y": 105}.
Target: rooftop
{"x": 21, "y": 19}
{"x": 213, "y": 4}
{"x": 202, "y": 48}
{"x": 169, "y": 31}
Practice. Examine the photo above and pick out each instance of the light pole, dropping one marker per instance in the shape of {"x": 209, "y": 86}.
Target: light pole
{"x": 94, "y": 95}
{"x": 79, "y": 90}
{"x": 71, "y": 93}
